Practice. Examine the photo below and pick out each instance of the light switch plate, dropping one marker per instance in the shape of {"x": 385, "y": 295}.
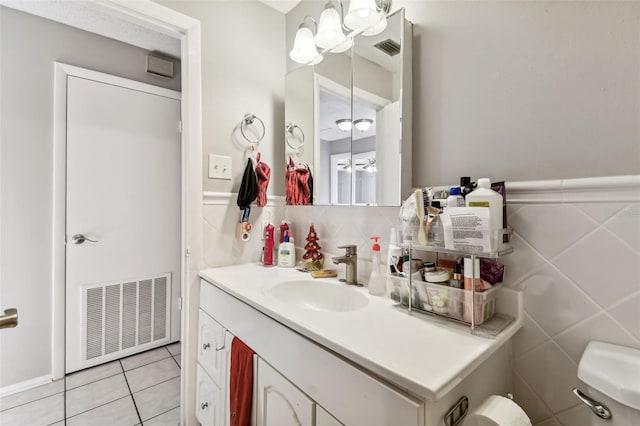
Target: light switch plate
{"x": 219, "y": 167}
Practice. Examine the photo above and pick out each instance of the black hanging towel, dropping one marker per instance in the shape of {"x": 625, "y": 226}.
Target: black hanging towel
{"x": 248, "y": 190}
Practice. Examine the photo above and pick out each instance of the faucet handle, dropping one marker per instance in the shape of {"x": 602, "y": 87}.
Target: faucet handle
{"x": 351, "y": 249}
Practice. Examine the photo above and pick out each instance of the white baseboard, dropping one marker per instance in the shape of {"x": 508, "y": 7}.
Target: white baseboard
{"x": 27, "y": 384}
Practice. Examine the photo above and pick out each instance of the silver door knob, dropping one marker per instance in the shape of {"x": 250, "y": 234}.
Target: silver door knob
{"x": 9, "y": 319}
{"x": 79, "y": 239}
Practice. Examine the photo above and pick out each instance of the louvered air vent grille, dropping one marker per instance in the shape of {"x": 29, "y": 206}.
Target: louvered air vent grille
{"x": 122, "y": 316}
{"x": 388, "y": 46}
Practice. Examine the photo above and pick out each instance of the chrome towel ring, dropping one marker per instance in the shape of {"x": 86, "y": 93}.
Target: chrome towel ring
{"x": 290, "y": 130}
{"x": 249, "y": 120}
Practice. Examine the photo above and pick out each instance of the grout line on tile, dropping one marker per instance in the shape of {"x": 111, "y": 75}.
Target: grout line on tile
{"x": 148, "y": 363}
{"x": 616, "y": 236}
{"x": 30, "y": 401}
{"x": 156, "y": 384}
{"x": 88, "y": 383}
{"x": 176, "y": 361}
{"x": 158, "y": 415}
{"x": 95, "y": 408}
{"x": 549, "y": 410}
{"x": 130, "y": 393}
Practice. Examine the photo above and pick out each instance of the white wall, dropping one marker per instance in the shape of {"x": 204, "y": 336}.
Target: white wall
{"x": 29, "y": 47}
{"x": 525, "y": 90}
{"x": 242, "y": 72}
{"x": 520, "y": 90}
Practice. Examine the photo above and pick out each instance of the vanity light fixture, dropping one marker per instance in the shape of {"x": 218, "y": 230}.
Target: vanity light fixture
{"x": 363, "y": 124}
{"x": 304, "y": 48}
{"x": 366, "y": 17}
{"x": 344, "y": 124}
{"x": 330, "y": 35}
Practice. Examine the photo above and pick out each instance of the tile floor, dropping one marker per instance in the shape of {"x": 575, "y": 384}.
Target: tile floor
{"x": 142, "y": 389}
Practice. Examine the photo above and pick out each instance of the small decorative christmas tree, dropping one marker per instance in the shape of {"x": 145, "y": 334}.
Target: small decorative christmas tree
{"x": 314, "y": 260}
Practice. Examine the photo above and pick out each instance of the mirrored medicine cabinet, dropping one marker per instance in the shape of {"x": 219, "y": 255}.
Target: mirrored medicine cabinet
{"x": 348, "y": 121}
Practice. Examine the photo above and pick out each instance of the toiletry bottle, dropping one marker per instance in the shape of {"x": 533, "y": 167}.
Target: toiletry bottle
{"x": 394, "y": 252}
{"x": 484, "y": 196}
{"x": 284, "y": 226}
{"x": 267, "y": 255}
{"x": 455, "y": 198}
{"x": 377, "y": 281}
{"x": 456, "y": 281}
{"x": 456, "y": 303}
{"x": 471, "y": 270}
{"x": 466, "y": 186}
{"x": 286, "y": 252}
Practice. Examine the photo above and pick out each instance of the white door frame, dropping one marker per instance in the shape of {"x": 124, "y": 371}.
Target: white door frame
{"x": 158, "y": 18}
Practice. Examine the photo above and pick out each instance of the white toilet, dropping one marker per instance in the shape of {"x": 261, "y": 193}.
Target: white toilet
{"x": 612, "y": 376}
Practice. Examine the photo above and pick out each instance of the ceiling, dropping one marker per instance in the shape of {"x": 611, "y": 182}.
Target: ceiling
{"x": 334, "y": 107}
{"x": 80, "y": 15}
{"x": 282, "y": 6}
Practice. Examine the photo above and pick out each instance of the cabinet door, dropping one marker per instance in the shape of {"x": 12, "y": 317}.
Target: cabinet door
{"x": 211, "y": 344}
{"x": 279, "y": 402}
{"x": 209, "y": 409}
{"x": 325, "y": 419}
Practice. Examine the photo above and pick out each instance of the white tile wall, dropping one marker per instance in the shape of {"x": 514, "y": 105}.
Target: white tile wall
{"x": 577, "y": 264}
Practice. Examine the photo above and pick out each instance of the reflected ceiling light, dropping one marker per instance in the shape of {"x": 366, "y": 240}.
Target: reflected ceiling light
{"x": 363, "y": 124}
{"x": 330, "y": 33}
{"x": 344, "y": 124}
{"x": 304, "y": 48}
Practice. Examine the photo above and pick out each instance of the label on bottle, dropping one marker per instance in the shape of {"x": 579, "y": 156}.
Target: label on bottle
{"x": 467, "y": 228}
{"x": 478, "y": 204}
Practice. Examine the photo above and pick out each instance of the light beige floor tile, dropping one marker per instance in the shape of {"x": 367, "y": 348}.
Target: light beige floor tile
{"x": 158, "y": 399}
{"x": 39, "y": 412}
{"x": 95, "y": 394}
{"x": 151, "y": 374}
{"x": 170, "y": 418}
{"x": 121, "y": 412}
{"x": 93, "y": 374}
{"x": 144, "y": 358}
{"x": 32, "y": 394}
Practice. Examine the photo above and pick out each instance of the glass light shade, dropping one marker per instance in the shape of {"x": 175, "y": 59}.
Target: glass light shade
{"x": 362, "y": 14}
{"x": 377, "y": 28}
{"x": 304, "y": 48}
{"x": 363, "y": 124}
{"x": 344, "y": 124}
{"x": 344, "y": 46}
{"x": 330, "y": 32}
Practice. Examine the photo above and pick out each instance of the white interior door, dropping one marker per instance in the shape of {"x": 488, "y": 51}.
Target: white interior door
{"x": 123, "y": 192}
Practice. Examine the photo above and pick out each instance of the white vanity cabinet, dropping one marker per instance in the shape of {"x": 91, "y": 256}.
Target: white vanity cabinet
{"x": 325, "y": 419}
{"x": 279, "y": 403}
{"x": 211, "y": 374}
{"x": 300, "y": 383}
{"x": 209, "y": 407}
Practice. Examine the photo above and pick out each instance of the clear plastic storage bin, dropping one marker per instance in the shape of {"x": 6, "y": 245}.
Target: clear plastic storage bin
{"x": 446, "y": 301}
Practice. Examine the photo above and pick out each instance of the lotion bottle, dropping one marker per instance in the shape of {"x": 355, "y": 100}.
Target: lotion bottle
{"x": 484, "y": 196}
{"x": 286, "y": 253}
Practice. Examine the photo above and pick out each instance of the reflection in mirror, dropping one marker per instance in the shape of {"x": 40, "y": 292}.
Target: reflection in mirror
{"x": 351, "y": 108}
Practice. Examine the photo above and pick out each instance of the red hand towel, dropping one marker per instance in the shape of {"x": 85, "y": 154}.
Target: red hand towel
{"x": 240, "y": 383}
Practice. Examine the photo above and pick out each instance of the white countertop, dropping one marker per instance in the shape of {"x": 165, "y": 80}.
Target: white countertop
{"x": 424, "y": 356}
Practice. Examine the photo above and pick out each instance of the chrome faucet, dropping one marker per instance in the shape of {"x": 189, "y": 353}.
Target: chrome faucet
{"x": 350, "y": 259}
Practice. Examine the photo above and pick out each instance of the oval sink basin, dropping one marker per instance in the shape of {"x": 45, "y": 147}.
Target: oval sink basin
{"x": 319, "y": 296}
